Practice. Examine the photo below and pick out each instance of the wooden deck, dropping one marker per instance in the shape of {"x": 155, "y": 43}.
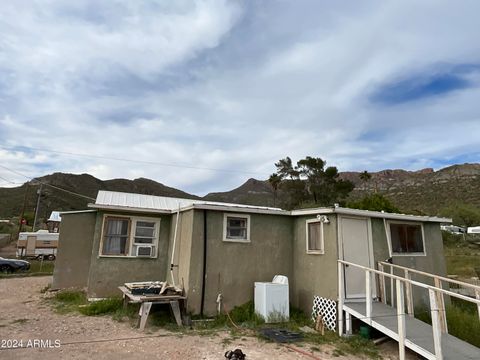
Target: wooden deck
{"x": 419, "y": 335}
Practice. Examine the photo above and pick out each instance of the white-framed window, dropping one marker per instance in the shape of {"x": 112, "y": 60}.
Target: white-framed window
{"x": 314, "y": 237}
{"x": 129, "y": 236}
{"x": 406, "y": 238}
{"x": 236, "y": 227}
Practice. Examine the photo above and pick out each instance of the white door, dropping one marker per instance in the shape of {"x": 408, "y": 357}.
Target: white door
{"x": 356, "y": 243}
{"x": 31, "y": 244}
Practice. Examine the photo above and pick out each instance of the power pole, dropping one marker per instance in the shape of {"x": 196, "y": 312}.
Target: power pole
{"x": 39, "y": 194}
{"x": 20, "y": 220}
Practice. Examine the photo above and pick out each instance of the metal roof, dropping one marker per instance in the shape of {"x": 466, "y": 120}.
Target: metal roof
{"x": 139, "y": 202}
{"x": 370, "y": 213}
{"x": 113, "y": 200}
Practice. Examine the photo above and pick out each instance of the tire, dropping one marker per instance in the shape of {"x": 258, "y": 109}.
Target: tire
{"x": 6, "y": 269}
{"x": 51, "y": 257}
{"x": 39, "y": 257}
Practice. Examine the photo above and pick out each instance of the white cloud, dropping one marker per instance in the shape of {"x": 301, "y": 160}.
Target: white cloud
{"x": 230, "y": 85}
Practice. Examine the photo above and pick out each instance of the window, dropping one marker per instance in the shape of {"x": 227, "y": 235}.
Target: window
{"x": 406, "y": 238}
{"x": 115, "y": 236}
{"x": 236, "y": 227}
{"x": 315, "y": 244}
{"x": 130, "y": 236}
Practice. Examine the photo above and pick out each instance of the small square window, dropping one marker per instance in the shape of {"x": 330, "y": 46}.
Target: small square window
{"x": 236, "y": 228}
{"x": 315, "y": 243}
{"x": 406, "y": 238}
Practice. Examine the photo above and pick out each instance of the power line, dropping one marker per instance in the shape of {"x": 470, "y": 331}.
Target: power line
{"x": 47, "y": 184}
{"x": 185, "y": 166}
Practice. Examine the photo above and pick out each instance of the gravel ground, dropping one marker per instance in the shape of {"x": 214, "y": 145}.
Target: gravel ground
{"x": 26, "y": 316}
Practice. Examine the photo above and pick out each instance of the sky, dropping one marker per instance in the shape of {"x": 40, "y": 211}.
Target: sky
{"x": 202, "y": 95}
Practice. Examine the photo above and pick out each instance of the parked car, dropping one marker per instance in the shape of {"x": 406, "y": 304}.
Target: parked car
{"x": 12, "y": 265}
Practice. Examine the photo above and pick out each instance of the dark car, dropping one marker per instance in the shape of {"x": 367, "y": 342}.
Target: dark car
{"x": 11, "y": 265}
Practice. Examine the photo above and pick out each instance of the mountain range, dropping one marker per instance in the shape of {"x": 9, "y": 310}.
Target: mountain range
{"x": 419, "y": 192}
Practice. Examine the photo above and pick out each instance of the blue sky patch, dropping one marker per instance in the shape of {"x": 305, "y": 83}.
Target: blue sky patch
{"x": 418, "y": 87}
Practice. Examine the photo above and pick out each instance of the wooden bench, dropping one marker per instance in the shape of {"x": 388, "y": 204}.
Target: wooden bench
{"x": 146, "y": 302}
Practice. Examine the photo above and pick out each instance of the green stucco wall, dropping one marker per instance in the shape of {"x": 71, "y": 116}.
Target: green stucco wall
{"x": 74, "y": 250}
{"x": 433, "y": 262}
{"x": 233, "y": 268}
{"x": 107, "y": 273}
{"x": 314, "y": 274}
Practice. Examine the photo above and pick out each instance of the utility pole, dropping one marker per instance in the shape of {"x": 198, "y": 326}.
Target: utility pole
{"x": 39, "y": 194}
{"x": 20, "y": 220}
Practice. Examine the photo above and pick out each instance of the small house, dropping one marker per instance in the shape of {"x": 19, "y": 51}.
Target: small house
{"x": 212, "y": 248}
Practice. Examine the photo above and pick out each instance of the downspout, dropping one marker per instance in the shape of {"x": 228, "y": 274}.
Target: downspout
{"x": 174, "y": 246}
{"x": 204, "y": 272}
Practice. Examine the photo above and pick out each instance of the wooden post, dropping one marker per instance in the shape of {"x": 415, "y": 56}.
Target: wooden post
{"x": 437, "y": 332}
{"x": 477, "y": 296}
{"x": 392, "y": 291}
{"x": 442, "y": 315}
{"x": 340, "y": 298}
{"x": 382, "y": 284}
{"x": 176, "y": 311}
{"x": 348, "y": 323}
{"x": 409, "y": 292}
{"x": 144, "y": 311}
{"x": 368, "y": 293}
{"x": 400, "y": 320}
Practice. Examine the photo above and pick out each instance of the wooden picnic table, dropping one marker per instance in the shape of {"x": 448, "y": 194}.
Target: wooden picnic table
{"x": 148, "y": 300}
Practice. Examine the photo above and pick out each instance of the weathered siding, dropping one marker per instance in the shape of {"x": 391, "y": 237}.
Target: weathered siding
{"x": 74, "y": 250}
{"x": 107, "y": 273}
{"x": 314, "y": 274}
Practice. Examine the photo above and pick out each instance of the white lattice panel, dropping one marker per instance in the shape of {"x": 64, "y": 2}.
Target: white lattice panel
{"x": 328, "y": 309}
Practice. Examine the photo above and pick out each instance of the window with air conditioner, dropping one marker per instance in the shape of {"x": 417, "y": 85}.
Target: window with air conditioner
{"x": 130, "y": 236}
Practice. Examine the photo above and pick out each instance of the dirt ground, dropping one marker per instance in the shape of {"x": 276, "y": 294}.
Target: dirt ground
{"x": 26, "y": 316}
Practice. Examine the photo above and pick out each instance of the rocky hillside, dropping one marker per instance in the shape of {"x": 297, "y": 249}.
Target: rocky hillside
{"x": 11, "y": 199}
{"x": 423, "y": 192}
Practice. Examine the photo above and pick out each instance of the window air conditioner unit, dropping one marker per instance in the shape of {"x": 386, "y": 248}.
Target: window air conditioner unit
{"x": 145, "y": 251}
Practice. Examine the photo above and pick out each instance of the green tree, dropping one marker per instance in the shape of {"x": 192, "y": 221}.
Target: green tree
{"x": 462, "y": 214}
{"x": 365, "y": 176}
{"x": 275, "y": 181}
{"x": 374, "y": 202}
{"x": 309, "y": 180}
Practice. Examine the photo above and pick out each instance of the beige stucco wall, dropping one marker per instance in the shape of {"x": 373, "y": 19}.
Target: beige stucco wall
{"x": 107, "y": 273}
{"x": 74, "y": 250}
{"x": 232, "y": 268}
{"x": 314, "y": 274}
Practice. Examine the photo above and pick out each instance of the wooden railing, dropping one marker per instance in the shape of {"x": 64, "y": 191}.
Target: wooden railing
{"x": 437, "y": 281}
{"x": 403, "y": 285}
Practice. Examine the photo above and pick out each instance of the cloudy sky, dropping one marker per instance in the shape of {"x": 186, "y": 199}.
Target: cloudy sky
{"x": 204, "y": 95}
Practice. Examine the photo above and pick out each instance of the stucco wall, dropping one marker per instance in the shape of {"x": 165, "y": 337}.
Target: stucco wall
{"x": 232, "y": 268}
{"x": 433, "y": 262}
{"x": 107, "y": 273}
{"x": 314, "y": 274}
{"x": 74, "y": 250}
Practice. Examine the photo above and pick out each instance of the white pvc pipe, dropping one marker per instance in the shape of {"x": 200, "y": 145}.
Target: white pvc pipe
{"x": 174, "y": 245}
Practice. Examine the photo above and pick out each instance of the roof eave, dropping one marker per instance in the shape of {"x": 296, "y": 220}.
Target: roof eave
{"x": 128, "y": 209}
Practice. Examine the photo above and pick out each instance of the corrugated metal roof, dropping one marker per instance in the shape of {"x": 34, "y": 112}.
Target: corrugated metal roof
{"x": 111, "y": 199}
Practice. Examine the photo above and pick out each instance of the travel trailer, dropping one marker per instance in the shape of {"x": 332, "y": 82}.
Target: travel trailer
{"x": 40, "y": 244}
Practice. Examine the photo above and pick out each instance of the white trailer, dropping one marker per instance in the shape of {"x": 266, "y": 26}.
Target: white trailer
{"x": 40, "y": 244}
